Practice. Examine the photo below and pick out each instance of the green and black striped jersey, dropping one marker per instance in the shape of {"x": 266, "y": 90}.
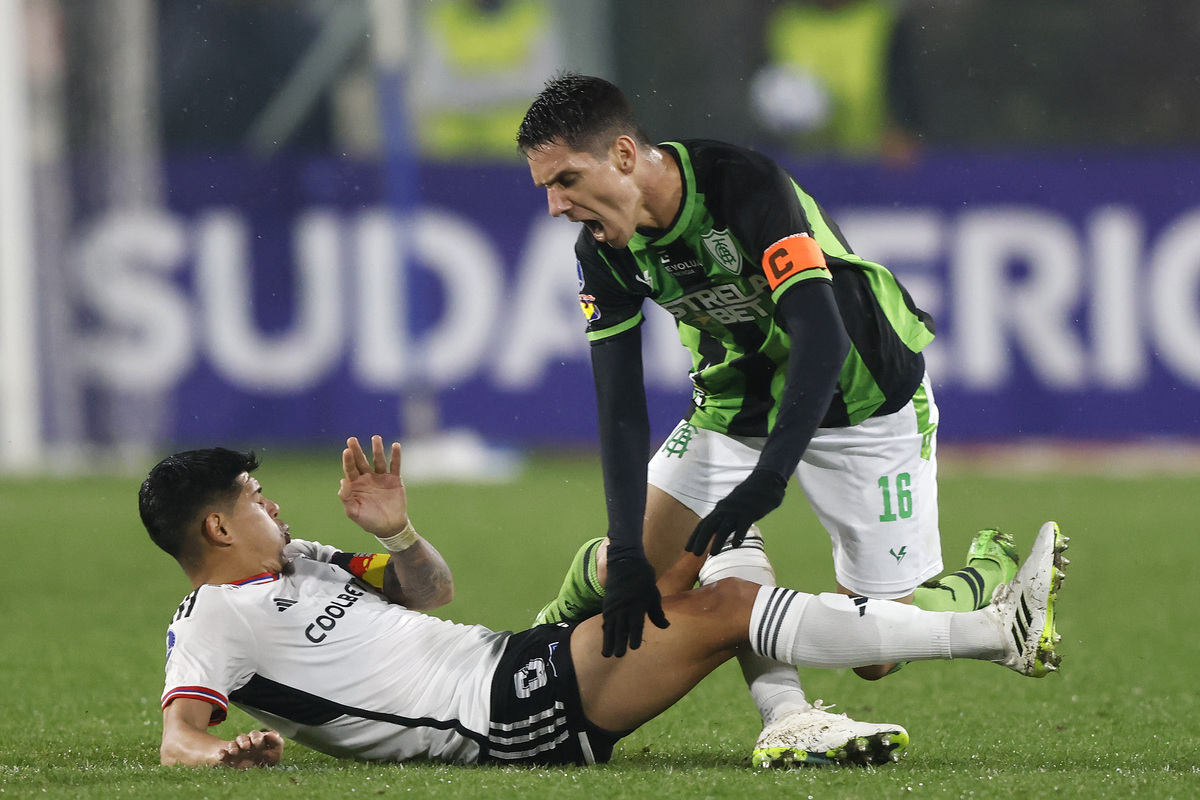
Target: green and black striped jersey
{"x": 745, "y": 233}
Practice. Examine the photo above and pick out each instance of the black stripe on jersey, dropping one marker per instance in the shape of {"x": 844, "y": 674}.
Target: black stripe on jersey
{"x": 751, "y": 418}
{"x": 623, "y": 266}
{"x": 897, "y": 370}
{"x": 303, "y": 708}
{"x": 711, "y": 352}
{"x": 757, "y": 371}
{"x": 838, "y": 416}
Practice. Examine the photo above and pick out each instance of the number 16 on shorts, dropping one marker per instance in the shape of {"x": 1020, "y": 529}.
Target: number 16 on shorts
{"x": 897, "y": 497}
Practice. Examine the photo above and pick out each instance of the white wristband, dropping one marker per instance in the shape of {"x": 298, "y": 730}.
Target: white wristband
{"x": 401, "y": 541}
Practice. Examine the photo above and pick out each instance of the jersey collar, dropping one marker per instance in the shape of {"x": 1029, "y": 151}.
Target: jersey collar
{"x": 687, "y": 206}
{"x": 262, "y": 577}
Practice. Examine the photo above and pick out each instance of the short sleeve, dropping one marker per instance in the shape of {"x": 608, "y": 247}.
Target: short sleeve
{"x": 609, "y": 305}
{"x": 209, "y": 648}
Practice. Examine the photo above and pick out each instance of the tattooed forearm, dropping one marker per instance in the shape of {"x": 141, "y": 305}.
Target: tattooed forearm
{"x": 419, "y": 578}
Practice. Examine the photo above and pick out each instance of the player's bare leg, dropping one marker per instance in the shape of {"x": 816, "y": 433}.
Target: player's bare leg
{"x": 665, "y": 531}
{"x": 707, "y": 627}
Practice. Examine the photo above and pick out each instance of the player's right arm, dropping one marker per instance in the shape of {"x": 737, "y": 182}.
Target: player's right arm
{"x": 373, "y": 496}
{"x": 614, "y": 318}
{"x": 186, "y": 740}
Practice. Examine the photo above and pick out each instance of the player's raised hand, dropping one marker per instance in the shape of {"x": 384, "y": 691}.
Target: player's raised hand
{"x": 372, "y": 492}
{"x": 253, "y": 749}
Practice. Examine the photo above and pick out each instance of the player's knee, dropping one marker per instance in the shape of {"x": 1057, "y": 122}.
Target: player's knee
{"x": 874, "y": 672}
{"x": 732, "y": 595}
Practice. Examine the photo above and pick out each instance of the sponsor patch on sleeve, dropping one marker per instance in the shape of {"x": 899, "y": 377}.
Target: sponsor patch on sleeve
{"x": 590, "y": 309}
{"x": 791, "y": 256}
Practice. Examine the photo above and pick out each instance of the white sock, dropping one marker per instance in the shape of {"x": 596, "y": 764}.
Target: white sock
{"x": 774, "y": 687}
{"x": 835, "y": 631}
{"x": 973, "y": 635}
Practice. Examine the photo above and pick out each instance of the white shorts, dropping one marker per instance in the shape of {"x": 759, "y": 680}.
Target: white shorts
{"x": 872, "y": 485}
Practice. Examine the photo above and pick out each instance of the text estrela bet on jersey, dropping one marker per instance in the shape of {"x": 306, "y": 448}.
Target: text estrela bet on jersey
{"x": 745, "y": 233}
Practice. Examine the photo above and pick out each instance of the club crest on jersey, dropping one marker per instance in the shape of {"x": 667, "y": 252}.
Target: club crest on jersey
{"x": 721, "y": 247}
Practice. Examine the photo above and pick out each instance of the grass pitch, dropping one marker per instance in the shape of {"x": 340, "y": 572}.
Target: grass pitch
{"x": 85, "y": 599}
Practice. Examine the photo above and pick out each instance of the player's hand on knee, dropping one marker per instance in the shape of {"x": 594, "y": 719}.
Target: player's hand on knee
{"x": 629, "y": 597}
{"x": 751, "y": 500}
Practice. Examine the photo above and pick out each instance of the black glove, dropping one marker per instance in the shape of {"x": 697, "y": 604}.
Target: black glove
{"x": 629, "y": 595}
{"x": 751, "y": 500}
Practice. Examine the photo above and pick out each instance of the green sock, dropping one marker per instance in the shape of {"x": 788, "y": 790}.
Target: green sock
{"x": 966, "y": 590}
{"x": 581, "y": 595}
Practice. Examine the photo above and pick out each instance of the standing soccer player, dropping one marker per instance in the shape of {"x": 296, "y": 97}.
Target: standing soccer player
{"x": 806, "y": 361}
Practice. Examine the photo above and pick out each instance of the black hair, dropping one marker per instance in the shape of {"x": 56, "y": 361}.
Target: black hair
{"x": 581, "y": 112}
{"x": 183, "y": 486}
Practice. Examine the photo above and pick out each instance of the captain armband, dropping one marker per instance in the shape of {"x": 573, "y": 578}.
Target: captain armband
{"x": 368, "y": 567}
{"x": 790, "y": 256}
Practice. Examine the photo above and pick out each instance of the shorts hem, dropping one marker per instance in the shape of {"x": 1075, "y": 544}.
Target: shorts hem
{"x": 892, "y": 591}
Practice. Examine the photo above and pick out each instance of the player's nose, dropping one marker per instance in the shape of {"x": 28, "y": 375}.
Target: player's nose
{"x": 557, "y": 202}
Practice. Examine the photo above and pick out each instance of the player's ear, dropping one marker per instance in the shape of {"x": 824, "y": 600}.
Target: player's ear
{"x": 214, "y": 529}
{"x": 625, "y": 152}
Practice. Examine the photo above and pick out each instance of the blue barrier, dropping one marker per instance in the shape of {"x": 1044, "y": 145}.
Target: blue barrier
{"x": 1066, "y": 289}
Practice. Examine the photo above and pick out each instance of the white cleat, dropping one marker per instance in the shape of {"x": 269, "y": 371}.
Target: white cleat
{"x": 1024, "y": 607}
{"x": 815, "y": 736}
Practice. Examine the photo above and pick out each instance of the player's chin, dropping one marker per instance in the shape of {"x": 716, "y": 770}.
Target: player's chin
{"x": 286, "y": 566}
{"x": 613, "y": 239}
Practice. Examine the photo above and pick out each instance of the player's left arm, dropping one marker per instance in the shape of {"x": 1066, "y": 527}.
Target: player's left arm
{"x": 819, "y": 345}
{"x": 373, "y": 496}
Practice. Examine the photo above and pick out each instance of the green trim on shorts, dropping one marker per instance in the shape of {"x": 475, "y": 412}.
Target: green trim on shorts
{"x": 926, "y": 428}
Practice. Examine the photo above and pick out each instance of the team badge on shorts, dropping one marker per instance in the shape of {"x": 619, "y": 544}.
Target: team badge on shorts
{"x": 681, "y": 437}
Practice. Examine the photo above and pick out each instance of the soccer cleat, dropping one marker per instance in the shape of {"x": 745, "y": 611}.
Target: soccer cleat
{"x": 815, "y": 736}
{"x": 581, "y": 595}
{"x": 1024, "y": 607}
{"x": 997, "y": 546}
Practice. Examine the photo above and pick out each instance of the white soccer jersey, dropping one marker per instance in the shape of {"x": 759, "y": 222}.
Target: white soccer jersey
{"x": 329, "y": 663}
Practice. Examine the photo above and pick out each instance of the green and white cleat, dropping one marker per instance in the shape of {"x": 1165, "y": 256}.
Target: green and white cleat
{"x": 996, "y": 546}
{"x": 581, "y": 595}
{"x": 814, "y": 736}
{"x": 1024, "y": 607}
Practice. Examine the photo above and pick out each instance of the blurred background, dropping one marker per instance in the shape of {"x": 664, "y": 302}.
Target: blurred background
{"x": 275, "y": 224}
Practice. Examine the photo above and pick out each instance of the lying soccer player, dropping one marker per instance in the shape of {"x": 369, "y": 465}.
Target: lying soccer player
{"x": 331, "y": 649}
